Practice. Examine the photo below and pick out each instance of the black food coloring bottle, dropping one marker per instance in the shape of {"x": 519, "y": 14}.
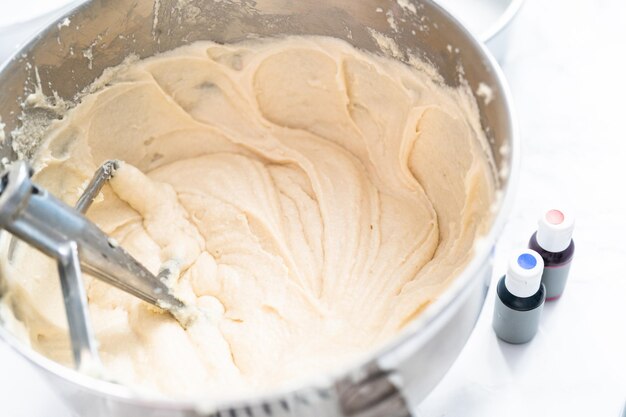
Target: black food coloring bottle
{"x": 520, "y": 296}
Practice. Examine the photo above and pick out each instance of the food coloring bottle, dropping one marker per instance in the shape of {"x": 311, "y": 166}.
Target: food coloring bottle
{"x": 520, "y": 296}
{"x": 553, "y": 241}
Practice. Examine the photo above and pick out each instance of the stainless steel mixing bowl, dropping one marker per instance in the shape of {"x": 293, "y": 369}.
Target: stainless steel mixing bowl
{"x": 392, "y": 379}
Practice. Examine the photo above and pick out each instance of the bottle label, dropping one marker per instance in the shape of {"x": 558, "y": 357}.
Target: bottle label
{"x": 555, "y": 278}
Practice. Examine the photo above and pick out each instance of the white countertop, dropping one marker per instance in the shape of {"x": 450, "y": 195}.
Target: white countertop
{"x": 566, "y": 68}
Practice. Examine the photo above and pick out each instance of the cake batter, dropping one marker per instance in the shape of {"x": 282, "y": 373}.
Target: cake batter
{"x": 315, "y": 199}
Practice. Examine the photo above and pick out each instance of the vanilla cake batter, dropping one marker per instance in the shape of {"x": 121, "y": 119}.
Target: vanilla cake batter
{"x": 315, "y": 198}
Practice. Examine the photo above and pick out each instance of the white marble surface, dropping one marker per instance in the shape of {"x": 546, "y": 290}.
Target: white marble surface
{"x": 566, "y": 70}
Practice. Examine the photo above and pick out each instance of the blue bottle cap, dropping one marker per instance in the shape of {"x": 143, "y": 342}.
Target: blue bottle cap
{"x": 523, "y": 277}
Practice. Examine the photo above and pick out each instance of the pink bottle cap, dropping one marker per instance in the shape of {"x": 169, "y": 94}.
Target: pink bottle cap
{"x": 555, "y": 229}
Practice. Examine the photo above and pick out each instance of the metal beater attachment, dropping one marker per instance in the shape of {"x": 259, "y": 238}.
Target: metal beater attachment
{"x": 33, "y": 215}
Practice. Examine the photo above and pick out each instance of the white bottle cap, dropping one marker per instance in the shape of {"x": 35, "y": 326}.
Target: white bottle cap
{"x": 523, "y": 277}
{"x": 555, "y": 230}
